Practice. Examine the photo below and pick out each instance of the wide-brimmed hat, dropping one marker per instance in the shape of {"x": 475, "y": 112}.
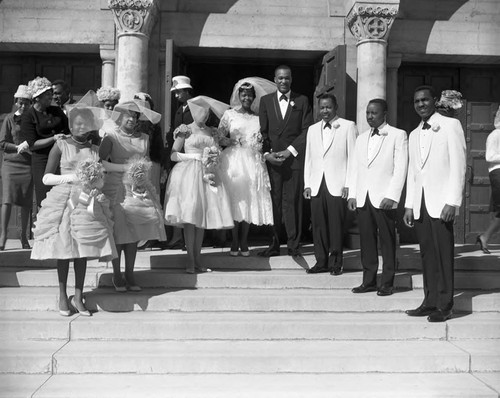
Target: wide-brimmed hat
{"x": 180, "y": 82}
{"x": 200, "y": 104}
{"x": 23, "y": 91}
{"x": 39, "y": 85}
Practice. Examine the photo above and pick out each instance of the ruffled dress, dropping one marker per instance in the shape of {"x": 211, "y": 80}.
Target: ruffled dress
{"x": 137, "y": 215}
{"x": 68, "y": 227}
{"x": 243, "y": 170}
{"x": 189, "y": 199}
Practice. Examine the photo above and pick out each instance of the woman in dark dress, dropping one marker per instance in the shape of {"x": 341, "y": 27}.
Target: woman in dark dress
{"x": 41, "y": 126}
{"x": 17, "y": 183}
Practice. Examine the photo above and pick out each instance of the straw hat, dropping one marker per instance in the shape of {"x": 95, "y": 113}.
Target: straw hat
{"x": 39, "y": 85}
{"x": 23, "y": 92}
{"x": 180, "y": 82}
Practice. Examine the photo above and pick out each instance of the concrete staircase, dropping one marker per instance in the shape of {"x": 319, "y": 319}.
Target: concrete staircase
{"x": 252, "y": 328}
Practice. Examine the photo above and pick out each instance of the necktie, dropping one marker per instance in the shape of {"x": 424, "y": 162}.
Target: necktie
{"x": 328, "y": 126}
{"x": 426, "y": 126}
{"x": 375, "y": 132}
{"x": 283, "y": 97}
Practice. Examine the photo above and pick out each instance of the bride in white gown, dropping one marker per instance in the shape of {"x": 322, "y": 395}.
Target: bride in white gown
{"x": 242, "y": 167}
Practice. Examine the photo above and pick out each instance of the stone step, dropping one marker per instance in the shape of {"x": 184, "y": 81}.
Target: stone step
{"x": 148, "y": 325}
{"x": 265, "y": 300}
{"x": 367, "y": 385}
{"x": 275, "y": 357}
{"x": 303, "y": 356}
{"x": 271, "y": 279}
{"x": 23, "y": 356}
{"x": 467, "y": 257}
{"x": 485, "y": 354}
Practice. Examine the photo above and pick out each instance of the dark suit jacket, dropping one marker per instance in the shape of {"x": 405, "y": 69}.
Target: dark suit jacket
{"x": 279, "y": 133}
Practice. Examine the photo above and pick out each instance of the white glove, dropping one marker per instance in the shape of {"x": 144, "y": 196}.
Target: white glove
{"x": 55, "y": 179}
{"x": 114, "y": 167}
{"x": 182, "y": 157}
{"x": 23, "y": 147}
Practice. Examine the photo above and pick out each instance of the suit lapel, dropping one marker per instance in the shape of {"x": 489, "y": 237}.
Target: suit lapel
{"x": 277, "y": 109}
{"x": 330, "y": 137}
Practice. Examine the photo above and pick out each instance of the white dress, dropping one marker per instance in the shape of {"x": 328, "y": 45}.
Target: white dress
{"x": 243, "y": 170}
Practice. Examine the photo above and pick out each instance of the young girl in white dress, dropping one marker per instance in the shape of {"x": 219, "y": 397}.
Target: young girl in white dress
{"x": 243, "y": 170}
{"x": 195, "y": 197}
{"x": 74, "y": 222}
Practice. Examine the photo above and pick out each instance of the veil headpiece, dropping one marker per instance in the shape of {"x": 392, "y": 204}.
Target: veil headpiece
{"x": 260, "y": 85}
{"x": 200, "y": 104}
{"x": 141, "y": 107}
{"x": 89, "y": 109}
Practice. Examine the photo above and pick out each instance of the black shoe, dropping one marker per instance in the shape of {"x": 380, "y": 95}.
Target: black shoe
{"x": 294, "y": 252}
{"x": 439, "y": 316}
{"x": 337, "y": 271}
{"x": 384, "y": 291}
{"x": 317, "y": 269}
{"x": 423, "y": 310}
{"x": 364, "y": 289}
{"x": 175, "y": 246}
{"x": 335, "y": 264}
{"x": 269, "y": 252}
{"x": 146, "y": 246}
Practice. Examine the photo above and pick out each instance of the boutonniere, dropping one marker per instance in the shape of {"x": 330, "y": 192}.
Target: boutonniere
{"x": 292, "y": 104}
{"x": 335, "y": 125}
{"x": 435, "y": 127}
{"x": 383, "y": 133}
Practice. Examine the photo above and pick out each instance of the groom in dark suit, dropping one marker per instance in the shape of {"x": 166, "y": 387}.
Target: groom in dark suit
{"x": 285, "y": 117}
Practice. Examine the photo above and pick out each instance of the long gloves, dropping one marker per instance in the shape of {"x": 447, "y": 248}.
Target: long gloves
{"x": 55, "y": 179}
{"x": 182, "y": 157}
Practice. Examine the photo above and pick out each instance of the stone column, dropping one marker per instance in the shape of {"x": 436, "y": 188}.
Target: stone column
{"x": 108, "y": 56}
{"x": 134, "y": 20}
{"x": 393, "y": 64}
{"x": 370, "y": 23}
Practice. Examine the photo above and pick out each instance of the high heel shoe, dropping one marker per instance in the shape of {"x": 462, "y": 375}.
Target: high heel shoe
{"x": 481, "y": 245}
{"x": 84, "y": 312}
{"x": 66, "y": 313}
{"x": 25, "y": 245}
{"x": 119, "y": 289}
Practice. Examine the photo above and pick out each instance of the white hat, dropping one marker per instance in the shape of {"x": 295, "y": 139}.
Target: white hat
{"x": 39, "y": 85}
{"x": 180, "y": 82}
{"x": 23, "y": 92}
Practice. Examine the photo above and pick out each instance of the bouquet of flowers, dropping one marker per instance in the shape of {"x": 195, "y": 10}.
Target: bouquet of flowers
{"x": 183, "y": 131}
{"x": 209, "y": 161}
{"x": 137, "y": 177}
{"x": 90, "y": 173}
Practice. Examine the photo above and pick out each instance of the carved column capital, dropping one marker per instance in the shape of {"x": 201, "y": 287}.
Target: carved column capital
{"x": 134, "y": 16}
{"x": 371, "y": 21}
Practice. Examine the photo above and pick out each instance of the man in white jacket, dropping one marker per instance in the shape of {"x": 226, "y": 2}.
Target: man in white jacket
{"x": 329, "y": 147}
{"x": 378, "y": 176}
{"x": 436, "y": 177}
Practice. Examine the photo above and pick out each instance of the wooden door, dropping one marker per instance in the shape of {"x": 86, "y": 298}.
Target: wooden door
{"x": 331, "y": 78}
{"x": 480, "y": 116}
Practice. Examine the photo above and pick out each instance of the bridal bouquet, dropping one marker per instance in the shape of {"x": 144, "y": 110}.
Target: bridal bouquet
{"x": 90, "y": 172}
{"x": 210, "y": 160}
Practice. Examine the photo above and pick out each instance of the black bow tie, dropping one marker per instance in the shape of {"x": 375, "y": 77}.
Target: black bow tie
{"x": 375, "y": 132}
{"x": 283, "y": 97}
{"x": 426, "y": 126}
{"x": 328, "y": 126}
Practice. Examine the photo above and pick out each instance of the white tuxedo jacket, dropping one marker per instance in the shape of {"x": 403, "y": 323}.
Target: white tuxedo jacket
{"x": 331, "y": 158}
{"x": 440, "y": 177}
{"x": 383, "y": 174}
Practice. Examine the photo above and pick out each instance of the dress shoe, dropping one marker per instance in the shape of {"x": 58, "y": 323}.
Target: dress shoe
{"x": 233, "y": 253}
{"x": 25, "y": 244}
{"x": 245, "y": 253}
{"x": 203, "y": 269}
{"x": 364, "y": 289}
{"x": 294, "y": 252}
{"x": 175, "y": 246}
{"x": 269, "y": 253}
{"x": 482, "y": 245}
{"x": 439, "y": 316}
{"x": 84, "y": 311}
{"x": 384, "y": 291}
{"x": 337, "y": 271}
{"x": 317, "y": 269}
{"x": 423, "y": 310}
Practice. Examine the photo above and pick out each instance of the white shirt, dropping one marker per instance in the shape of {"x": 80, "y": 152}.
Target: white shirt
{"x": 283, "y": 103}
{"x": 374, "y": 140}
{"x": 425, "y": 141}
{"x": 327, "y": 133}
